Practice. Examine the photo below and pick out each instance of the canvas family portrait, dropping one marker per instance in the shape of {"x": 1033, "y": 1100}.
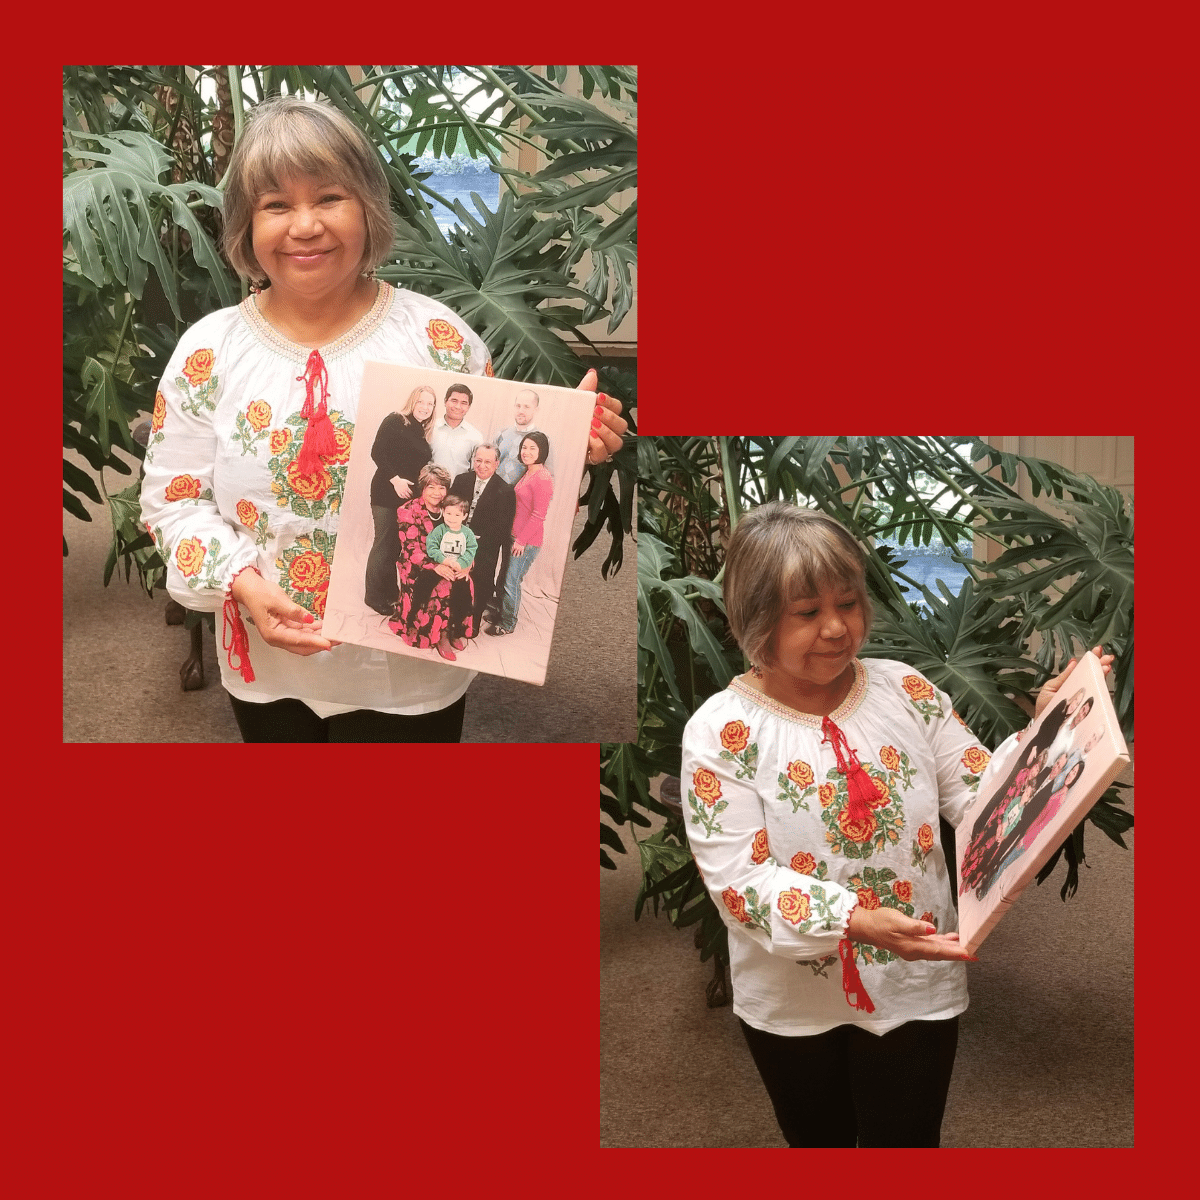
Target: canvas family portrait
{"x": 457, "y": 515}
{"x": 1033, "y": 798}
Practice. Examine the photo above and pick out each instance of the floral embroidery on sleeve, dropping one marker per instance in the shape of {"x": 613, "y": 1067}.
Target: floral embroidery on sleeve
{"x": 922, "y": 844}
{"x": 809, "y": 910}
{"x": 445, "y": 342}
{"x": 975, "y": 760}
{"x": 705, "y": 794}
{"x": 747, "y": 909}
{"x": 251, "y": 426}
{"x": 198, "y": 382}
{"x": 760, "y": 851}
{"x": 487, "y": 369}
{"x": 184, "y": 487}
{"x": 256, "y": 522}
{"x": 736, "y": 747}
{"x": 157, "y": 417}
{"x": 304, "y": 568}
{"x": 192, "y": 557}
{"x": 920, "y": 693}
{"x": 799, "y": 775}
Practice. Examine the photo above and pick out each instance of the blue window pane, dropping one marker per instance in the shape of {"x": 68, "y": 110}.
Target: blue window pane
{"x": 459, "y": 186}
{"x": 927, "y": 564}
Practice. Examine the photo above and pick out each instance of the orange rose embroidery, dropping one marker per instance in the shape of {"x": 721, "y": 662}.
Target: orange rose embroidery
{"x": 884, "y": 792}
{"x": 707, "y": 786}
{"x": 279, "y": 440}
{"x": 925, "y": 838}
{"x": 976, "y": 760}
{"x": 308, "y": 487}
{"x": 199, "y": 367}
{"x": 736, "y": 905}
{"x": 856, "y": 831}
{"x": 259, "y": 415}
{"x": 800, "y": 773}
{"x": 794, "y": 906}
{"x": 247, "y": 513}
{"x": 443, "y": 335}
{"x": 760, "y": 852}
{"x": 189, "y": 555}
{"x": 342, "y": 453}
{"x": 309, "y": 572}
{"x": 890, "y": 758}
{"x": 487, "y": 370}
{"x": 958, "y": 718}
{"x": 734, "y": 736}
{"x": 160, "y": 412}
{"x": 902, "y": 890}
{"x": 826, "y": 793}
{"x": 804, "y": 863}
{"x": 183, "y": 487}
{"x": 927, "y": 916}
{"x": 867, "y": 898}
{"x": 917, "y": 688}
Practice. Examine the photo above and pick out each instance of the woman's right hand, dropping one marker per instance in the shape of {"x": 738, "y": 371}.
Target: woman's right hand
{"x": 518, "y": 549}
{"x": 280, "y": 621}
{"x": 402, "y": 488}
{"x": 903, "y": 936}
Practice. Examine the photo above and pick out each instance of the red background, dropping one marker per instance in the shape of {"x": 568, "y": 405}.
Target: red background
{"x": 233, "y": 974}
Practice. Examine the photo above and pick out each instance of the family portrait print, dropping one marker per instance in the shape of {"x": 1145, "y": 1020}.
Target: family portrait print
{"x": 1059, "y": 768}
{"x": 456, "y": 524}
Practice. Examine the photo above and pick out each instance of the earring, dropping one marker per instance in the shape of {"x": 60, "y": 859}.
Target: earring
{"x": 756, "y": 671}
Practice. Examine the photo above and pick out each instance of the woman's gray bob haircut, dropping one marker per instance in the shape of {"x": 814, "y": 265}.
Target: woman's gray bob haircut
{"x": 779, "y": 553}
{"x": 290, "y": 136}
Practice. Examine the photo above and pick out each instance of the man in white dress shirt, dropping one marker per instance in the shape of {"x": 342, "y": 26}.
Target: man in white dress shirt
{"x": 454, "y": 437}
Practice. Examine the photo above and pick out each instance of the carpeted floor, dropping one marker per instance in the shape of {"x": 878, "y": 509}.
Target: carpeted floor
{"x": 121, "y": 661}
{"x": 1045, "y": 1055}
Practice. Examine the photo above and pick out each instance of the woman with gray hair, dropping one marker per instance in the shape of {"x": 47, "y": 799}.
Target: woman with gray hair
{"x": 815, "y": 784}
{"x": 250, "y": 437}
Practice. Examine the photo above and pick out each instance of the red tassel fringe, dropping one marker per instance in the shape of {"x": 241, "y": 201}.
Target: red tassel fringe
{"x": 235, "y": 642}
{"x": 318, "y": 435}
{"x": 860, "y": 789}
{"x": 852, "y": 983}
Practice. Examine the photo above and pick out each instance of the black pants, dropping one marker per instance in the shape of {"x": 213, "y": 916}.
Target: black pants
{"x": 848, "y": 1087}
{"x": 381, "y": 587}
{"x": 294, "y": 721}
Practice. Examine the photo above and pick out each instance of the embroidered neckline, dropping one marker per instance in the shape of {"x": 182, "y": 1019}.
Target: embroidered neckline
{"x": 851, "y": 704}
{"x": 358, "y": 333}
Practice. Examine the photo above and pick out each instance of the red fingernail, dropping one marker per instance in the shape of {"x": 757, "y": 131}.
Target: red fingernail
{"x": 598, "y": 411}
{"x": 595, "y": 426}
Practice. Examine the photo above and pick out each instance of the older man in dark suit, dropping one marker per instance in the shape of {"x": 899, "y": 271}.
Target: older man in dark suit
{"x": 493, "y": 506}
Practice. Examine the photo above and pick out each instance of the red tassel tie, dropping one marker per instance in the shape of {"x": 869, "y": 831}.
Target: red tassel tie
{"x": 234, "y": 640}
{"x": 860, "y": 788}
{"x": 318, "y": 436}
{"x": 852, "y": 983}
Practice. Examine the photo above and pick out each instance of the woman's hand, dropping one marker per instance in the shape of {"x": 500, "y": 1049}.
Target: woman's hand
{"x": 445, "y": 570}
{"x": 903, "y": 936}
{"x": 1050, "y": 687}
{"x": 608, "y": 425}
{"x": 402, "y": 486}
{"x": 280, "y": 621}
{"x": 518, "y": 548}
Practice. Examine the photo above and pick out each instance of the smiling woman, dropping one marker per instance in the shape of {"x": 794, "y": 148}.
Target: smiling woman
{"x": 257, "y": 414}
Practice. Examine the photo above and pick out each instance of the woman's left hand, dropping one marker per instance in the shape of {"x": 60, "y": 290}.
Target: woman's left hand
{"x": 1050, "y": 687}
{"x": 518, "y": 548}
{"x": 608, "y": 426}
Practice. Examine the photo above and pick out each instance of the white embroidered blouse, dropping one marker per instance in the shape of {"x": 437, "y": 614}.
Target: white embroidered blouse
{"x": 768, "y": 823}
{"x": 222, "y": 489}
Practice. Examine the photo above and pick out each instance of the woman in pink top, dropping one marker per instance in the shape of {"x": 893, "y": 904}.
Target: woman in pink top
{"x": 533, "y": 490}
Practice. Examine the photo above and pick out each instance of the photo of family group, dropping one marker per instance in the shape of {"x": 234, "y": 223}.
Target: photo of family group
{"x": 1061, "y": 767}
{"x": 457, "y": 518}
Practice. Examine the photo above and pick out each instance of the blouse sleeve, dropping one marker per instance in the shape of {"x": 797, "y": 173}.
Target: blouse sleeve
{"x": 961, "y": 759}
{"x": 783, "y": 911}
{"x": 202, "y": 548}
